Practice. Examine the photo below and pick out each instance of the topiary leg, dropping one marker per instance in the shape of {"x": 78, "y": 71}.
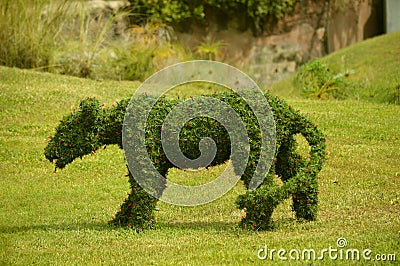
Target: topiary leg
{"x": 138, "y": 209}
{"x": 260, "y": 203}
{"x": 305, "y": 198}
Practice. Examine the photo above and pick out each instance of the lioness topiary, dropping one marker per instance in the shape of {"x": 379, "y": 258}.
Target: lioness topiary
{"x": 92, "y": 126}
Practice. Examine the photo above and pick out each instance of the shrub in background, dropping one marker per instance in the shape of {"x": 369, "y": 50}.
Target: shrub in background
{"x": 393, "y": 93}
{"x": 83, "y": 38}
{"x": 93, "y": 50}
{"x": 316, "y": 80}
{"x": 210, "y": 49}
{"x": 29, "y": 32}
{"x": 93, "y": 126}
{"x": 144, "y": 50}
{"x": 68, "y": 37}
{"x": 254, "y": 13}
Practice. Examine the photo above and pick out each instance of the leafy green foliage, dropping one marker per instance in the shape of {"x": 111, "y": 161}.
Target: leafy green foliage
{"x": 92, "y": 127}
{"x": 176, "y": 11}
{"x": 209, "y": 48}
{"x": 316, "y": 80}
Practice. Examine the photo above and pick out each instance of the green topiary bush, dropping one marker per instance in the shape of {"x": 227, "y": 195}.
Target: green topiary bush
{"x": 93, "y": 126}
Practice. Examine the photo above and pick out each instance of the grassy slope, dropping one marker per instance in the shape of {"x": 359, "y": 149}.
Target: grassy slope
{"x": 61, "y": 218}
{"x": 376, "y": 65}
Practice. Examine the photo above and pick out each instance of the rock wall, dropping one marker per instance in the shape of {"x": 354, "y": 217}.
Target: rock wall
{"x": 353, "y": 21}
{"x": 312, "y": 30}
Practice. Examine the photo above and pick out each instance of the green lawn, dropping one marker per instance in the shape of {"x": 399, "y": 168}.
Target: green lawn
{"x": 61, "y": 219}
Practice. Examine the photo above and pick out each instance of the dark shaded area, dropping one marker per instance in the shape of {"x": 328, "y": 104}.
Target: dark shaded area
{"x": 376, "y": 22}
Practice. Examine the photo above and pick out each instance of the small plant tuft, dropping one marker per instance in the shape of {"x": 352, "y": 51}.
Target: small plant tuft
{"x": 316, "y": 80}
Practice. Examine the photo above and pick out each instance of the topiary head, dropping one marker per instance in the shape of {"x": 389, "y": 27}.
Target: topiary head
{"x": 76, "y": 135}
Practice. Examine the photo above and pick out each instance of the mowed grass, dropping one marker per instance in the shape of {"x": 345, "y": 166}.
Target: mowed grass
{"x": 61, "y": 219}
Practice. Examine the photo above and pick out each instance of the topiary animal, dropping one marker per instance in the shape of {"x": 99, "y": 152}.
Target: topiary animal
{"x": 92, "y": 126}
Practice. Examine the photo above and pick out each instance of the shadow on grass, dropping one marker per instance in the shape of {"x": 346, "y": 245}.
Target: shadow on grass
{"x": 219, "y": 226}
{"x": 198, "y": 225}
{"x": 286, "y": 224}
{"x": 103, "y": 226}
{"x": 96, "y": 226}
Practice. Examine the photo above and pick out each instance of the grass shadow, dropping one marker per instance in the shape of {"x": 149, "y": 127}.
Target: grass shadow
{"x": 283, "y": 224}
{"x": 286, "y": 224}
{"x": 199, "y": 225}
{"x": 95, "y": 226}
